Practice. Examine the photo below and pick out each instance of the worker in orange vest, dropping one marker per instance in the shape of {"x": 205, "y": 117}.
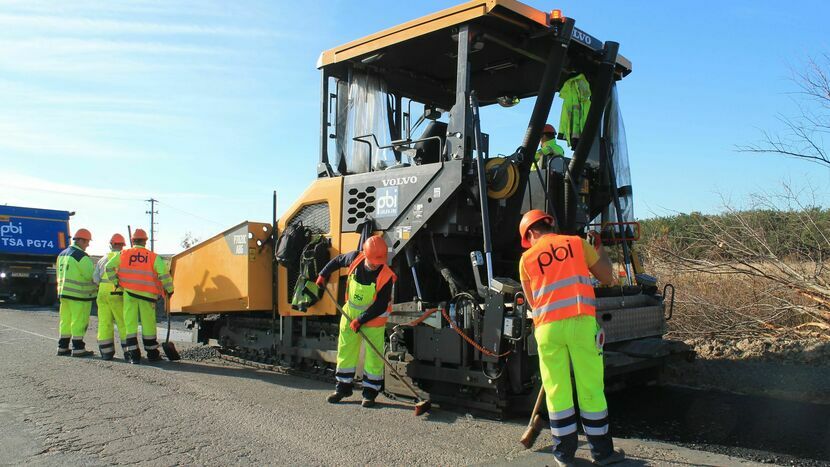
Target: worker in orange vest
{"x": 556, "y": 277}
{"x": 368, "y": 304}
{"x": 144, "y": 276}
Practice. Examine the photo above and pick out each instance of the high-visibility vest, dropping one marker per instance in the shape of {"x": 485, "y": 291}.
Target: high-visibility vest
{"x": 359, "y": 306}
{"x": 105, "y": 284}
{"x": 74, "y": 271}
{"x": 136, "y": 271}
{"x": 560, "y": 282}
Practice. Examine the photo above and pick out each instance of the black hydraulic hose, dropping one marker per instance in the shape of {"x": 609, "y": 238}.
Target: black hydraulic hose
{"x": 482, "y": 189}
{"x": 599, "y": 99}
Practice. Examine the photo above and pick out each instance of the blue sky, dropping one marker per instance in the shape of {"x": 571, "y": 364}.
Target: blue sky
{"x": 209, "y": 106}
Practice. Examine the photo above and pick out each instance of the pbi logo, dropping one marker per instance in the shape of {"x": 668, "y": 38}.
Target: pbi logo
{"x": 138, "y": 258}
{"x": 11, "y": 229}
{"x": 558, "y": 254}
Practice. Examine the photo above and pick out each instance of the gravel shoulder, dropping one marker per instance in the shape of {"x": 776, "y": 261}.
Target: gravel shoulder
{"x": 60, "y": 410}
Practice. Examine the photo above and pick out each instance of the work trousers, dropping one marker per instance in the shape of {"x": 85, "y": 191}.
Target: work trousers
{"x": 74, "y": 320}
{"x": 348, "y": 353}
{"x": 110, "y": 314}
{"x": 574, "y": 342}
{"x": 145, "y": 310}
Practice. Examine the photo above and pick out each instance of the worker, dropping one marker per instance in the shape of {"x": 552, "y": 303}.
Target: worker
{"x": 368, "y": 303}
{"x": 144, "y": 276}
{"x": 548, "y": 148}
{"x": 110, "y": 303}
{"x": 76, "y": 291}
{"x": 555, "y": 273}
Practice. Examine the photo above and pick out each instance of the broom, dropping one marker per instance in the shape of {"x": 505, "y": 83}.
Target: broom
{"x": 536, "y": 424}
{"x": 169, "y": 349}
{"x": 422, "y": 406}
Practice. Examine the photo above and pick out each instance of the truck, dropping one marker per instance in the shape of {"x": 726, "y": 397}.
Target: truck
{"x": 30, "y": 241}
{"x": 410, "y": 121}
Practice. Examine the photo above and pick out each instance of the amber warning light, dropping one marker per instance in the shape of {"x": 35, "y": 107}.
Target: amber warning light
{"x": 556, "y": 15}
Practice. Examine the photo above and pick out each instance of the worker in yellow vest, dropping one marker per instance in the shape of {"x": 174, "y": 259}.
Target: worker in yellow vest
{"x": 368, "y": 304}
{"x": 548, "y": 148}
{"x": 556, "y": 277}
{"x": 110, "y": 302}
{"x": 76, "y": 291}
{"x": 144, "y": 276}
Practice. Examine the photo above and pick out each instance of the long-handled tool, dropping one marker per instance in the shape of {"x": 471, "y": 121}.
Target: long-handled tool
{"x": 422, "y": 406}
{"x": 169, "y": 349}
{"x": 536, "y": 424}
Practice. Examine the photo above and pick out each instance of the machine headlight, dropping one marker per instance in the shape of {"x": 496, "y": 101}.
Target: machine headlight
{"x": 2, "y": 275}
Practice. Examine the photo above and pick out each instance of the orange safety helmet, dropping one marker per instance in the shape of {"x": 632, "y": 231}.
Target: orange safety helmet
{"x": 117, "y": 238}
{"x": 82, "y": 234}
{"x": 531, "y": 217}
{"x": 548, "y": 129}
{"x": 139, "y": 234}
{"x": 376, "y": 250}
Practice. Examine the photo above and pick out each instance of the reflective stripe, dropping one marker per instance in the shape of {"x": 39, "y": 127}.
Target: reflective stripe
{"x": 151, "y": 347}
{"x": 346, "y": 370}
{"x": 125, "y": 282}
{"x": 132, "y": 335}
{"x": 65, "y": 289}
{"x": 595, "y": 431}
{"x": 65, "y": 336}
{"x": 138, "y": 272}
{"x": 562, "y": 414}
{"x": 560, "y": 284}
{"x": 78, "y": 351}
{"x": 360, "y": 308}
{"x": 82, "y": 284}
{"x": 371, "y": 376}
{"x": 165, "y": 277}
{"x": 564, "y": 303}
{"x": 131, "y": 347}
{"x": 594, "y": 415}
{"x": 344, "y": 379}
{"x": 109, "y": 341}
{"x": 63, "y": 349}
{"x": 368, "y": 384}
{"x": 565, "y": 430}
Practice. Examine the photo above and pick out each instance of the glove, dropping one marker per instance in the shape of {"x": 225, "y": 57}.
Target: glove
{"x": 355, "y": 325}
{"x": 169, "y": 294}
{"x": 321, "y": 281}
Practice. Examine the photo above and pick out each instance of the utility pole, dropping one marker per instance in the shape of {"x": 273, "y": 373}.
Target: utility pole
{"x": 152, "y": 212}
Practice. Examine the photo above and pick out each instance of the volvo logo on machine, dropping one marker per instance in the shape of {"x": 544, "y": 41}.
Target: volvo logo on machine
{"x": 410, "y": 180}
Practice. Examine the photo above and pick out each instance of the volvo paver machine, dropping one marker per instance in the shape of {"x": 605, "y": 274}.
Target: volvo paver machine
{"x": 404, "y": 152}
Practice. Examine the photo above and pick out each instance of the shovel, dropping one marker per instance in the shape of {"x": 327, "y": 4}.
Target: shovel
{"x": 422, "y": 406}
{"x": 169, "y": 349}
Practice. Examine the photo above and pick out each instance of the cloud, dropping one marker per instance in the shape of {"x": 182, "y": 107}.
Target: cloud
{"x": 44, "y": 140}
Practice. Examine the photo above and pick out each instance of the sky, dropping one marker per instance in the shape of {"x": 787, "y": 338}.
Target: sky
{"x": 209, "y": 106}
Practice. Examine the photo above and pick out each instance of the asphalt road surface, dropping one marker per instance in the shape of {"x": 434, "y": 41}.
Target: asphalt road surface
{"x": 63, "y": 410}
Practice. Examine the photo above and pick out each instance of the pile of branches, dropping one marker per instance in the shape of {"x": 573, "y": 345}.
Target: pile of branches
{"x": 758, "y": 272}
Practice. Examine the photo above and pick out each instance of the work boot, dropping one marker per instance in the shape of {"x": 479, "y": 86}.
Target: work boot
{"x": 336, "y": 397}
{"x": 132, "y": 356}
{"x": 107, "y": 356}
{"x": 82, "y": 353}
{"x": 617, "y": 455}
{"x": 64, "y": 353}
{"x": 570, "y": 462}
{"x": 153, "y": 355}
{"x": 367, "y": 403}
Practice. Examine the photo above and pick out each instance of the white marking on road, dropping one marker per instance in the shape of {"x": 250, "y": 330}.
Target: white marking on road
{"x": 28, "y": 332}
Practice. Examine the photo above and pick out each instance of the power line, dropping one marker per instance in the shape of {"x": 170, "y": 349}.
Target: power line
{"x": 81, "y": 195}
{"x": 189, "y": 213}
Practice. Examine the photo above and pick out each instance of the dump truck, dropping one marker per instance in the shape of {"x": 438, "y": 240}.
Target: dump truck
{"x": 405, "y": 153}
{"x": 30, "y": 241}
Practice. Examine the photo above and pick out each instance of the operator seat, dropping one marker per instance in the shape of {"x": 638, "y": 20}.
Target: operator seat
{"x": 430, "y": 151}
